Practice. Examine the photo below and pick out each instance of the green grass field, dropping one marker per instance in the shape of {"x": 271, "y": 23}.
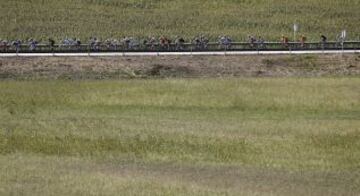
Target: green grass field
{"x": 270, "y": 136}
{"x": 142, "y": 18}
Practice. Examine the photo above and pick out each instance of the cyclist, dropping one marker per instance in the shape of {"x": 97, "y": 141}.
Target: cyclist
{"x": 3, "y": 44}
{"x": 285, "y": 41}
{"x": 197, "y": 42}
{"x": 204, "y": 42}
{"x": 51, "y": 44}
{"x": 179, "y": 43}
{"x": 32, "y": 44}
{"x": 17, "y": 44}
{"x": 152, "y": 43}
{"x": 302, "y": 41}
{"x": 323, "y": 40}
{"x": 78, "y": 43}
{"x": 260, "y": 42}
{"x": 252, "y": 41}
{"x": 227, "y": 42}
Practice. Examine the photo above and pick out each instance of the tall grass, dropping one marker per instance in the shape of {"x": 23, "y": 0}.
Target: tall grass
{"x": 115, "y": 18}
{"x": 227, "y": 121}
{"x": 269, "y": 136}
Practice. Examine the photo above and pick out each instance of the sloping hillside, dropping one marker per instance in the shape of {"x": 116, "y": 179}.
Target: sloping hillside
{"x": 237, "y": 18}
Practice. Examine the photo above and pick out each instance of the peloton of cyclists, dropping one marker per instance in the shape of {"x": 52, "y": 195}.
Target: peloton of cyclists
{"x": 152, "y": 43}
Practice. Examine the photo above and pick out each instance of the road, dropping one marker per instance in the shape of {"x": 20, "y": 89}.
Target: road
{"x": 214, "y": 53}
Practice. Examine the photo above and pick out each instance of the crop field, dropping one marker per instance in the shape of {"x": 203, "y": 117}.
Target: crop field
{"x": 41, "y": 19}
{"x": 250, "y": 136}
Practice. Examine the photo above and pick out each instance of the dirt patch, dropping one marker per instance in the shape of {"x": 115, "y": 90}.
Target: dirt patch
{"x": 159, "y": 70}
{"x": 182, "y": 66}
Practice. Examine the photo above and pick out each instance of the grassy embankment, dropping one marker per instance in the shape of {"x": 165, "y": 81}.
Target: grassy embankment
{"x": 180, "y": 137}
{"x": 90, "y": 68}
{"x": 237, "y": 18}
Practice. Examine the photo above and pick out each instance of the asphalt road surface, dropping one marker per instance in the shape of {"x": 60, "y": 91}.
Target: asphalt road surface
{"x": 214, "y": 53}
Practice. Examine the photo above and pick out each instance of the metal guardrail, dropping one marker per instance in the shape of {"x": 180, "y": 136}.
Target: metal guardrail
{"x": 185, "y": 47}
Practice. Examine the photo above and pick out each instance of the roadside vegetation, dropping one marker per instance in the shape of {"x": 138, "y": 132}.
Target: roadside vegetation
{"x": 269, "y": 136}
{"x": 237, "y": 18}
{"x": 102, "y": 68}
